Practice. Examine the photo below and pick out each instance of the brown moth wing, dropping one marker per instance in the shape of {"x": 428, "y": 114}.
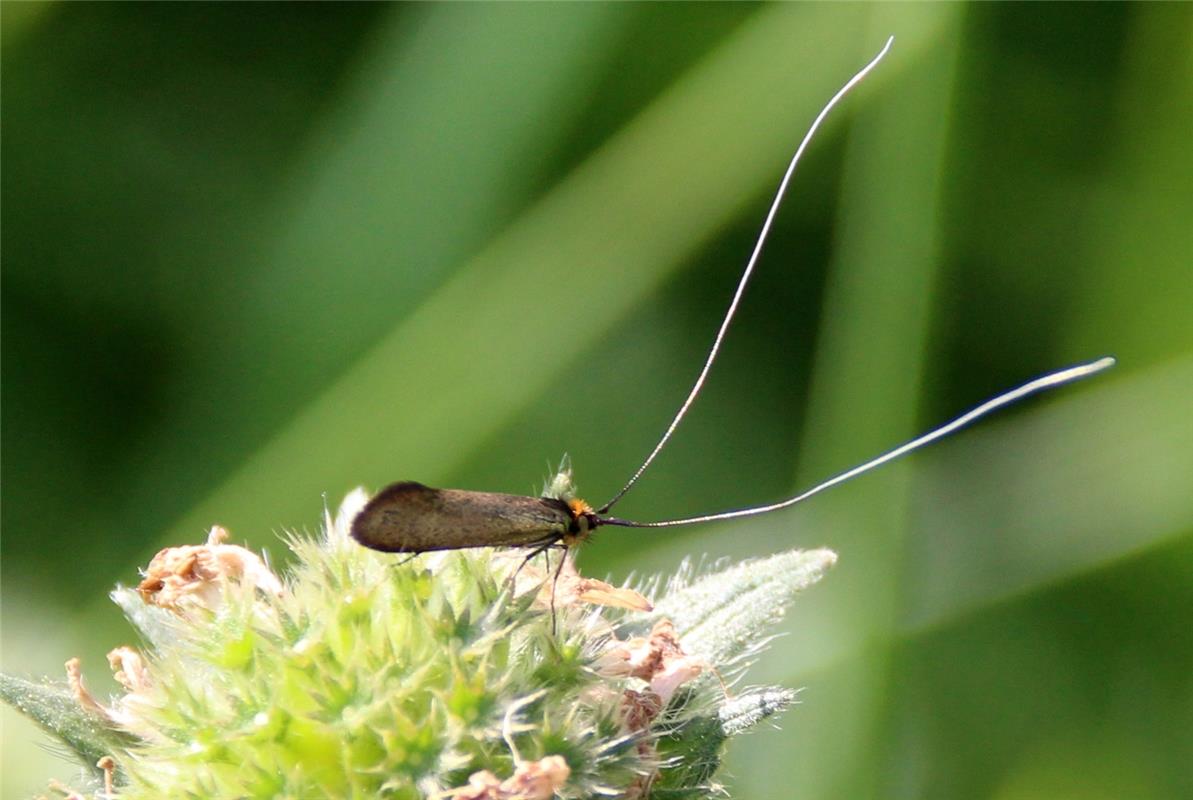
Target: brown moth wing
{"x": 408, "y": 517}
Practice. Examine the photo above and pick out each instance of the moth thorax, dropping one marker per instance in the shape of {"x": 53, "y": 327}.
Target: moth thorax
{"x": 583, "y": 521}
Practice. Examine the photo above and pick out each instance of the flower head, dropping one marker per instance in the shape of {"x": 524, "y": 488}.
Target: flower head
{"x": 362, "y": 676}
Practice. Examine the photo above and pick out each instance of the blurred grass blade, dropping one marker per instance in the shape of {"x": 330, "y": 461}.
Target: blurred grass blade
{"x": 1014, "y": 507}
{"x": 1024, "y": 504}
{"x": 476, "y": 352}
{"x": 1067, "y": 489}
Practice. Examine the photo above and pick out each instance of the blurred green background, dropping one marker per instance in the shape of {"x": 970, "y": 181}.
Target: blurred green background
{"x": 253, "y": 254}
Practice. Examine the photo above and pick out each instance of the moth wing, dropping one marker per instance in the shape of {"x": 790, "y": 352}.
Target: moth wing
{"x": 409, "y": 517}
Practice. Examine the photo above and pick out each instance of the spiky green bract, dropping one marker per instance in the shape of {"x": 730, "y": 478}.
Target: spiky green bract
{"x": 364, "y": 677}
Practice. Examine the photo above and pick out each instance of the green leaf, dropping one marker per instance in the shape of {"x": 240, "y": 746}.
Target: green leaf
{"x": 56, "y": 709}
{"x": 727, "y": 615}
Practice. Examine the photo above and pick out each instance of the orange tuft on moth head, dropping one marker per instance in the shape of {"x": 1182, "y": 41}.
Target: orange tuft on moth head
{"x": 584, "y": 520}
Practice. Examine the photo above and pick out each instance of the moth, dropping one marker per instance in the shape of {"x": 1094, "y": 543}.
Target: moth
{"x": 408, "y": 517}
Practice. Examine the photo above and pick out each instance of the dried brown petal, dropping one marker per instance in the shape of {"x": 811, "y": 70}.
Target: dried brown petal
{"x": 638, "y": 709}
{"x": 657, "y": 659}
{"x": 482, "y": 785}
{"x": 108, "y": 765}
{"x": 197, "y": 575}
{"x": 570, "y": 588}
{"x": 74, "y": 677}
{"x": 129, "y": 670}
{"x": 532, "y": 780}
{"x": 599, "y": 593}
{"x": 674, "y": 673}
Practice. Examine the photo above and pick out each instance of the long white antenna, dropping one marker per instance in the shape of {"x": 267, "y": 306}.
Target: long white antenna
{"x": 1049, "y": 381}
{"x": 745, "y": 277}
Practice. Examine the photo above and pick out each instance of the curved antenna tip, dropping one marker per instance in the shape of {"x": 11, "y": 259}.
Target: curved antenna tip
{"x": 1082, "y": 370}
{"x": 745, "y": 276}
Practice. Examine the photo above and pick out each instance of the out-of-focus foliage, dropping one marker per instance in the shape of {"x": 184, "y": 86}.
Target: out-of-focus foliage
{"x": 254, "y": 253}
